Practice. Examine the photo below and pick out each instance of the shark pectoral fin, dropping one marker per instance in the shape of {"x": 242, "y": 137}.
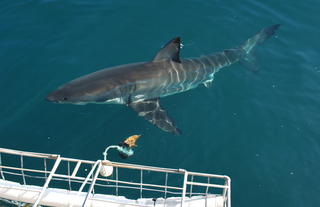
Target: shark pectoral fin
{"x": 170, "y": 51}
{"x": 151, "y": 110}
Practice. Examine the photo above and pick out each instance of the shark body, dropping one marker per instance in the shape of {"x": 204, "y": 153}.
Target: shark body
{"x": 141, "y": 85}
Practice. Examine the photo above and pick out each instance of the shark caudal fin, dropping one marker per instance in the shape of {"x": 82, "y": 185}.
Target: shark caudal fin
{"x": 248, "y": 46}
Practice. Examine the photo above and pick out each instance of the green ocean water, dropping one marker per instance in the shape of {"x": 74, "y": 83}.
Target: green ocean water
{"x": 261, "y": 129}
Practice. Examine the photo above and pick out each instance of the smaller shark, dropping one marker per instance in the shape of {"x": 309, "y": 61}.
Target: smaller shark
{"x": 141, "y": 85}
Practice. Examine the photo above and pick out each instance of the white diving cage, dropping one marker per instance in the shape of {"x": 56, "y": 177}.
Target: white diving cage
{"x": 52, "y": 180}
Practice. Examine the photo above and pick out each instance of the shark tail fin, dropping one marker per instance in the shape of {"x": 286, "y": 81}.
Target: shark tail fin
{"x": 248, "y": 46}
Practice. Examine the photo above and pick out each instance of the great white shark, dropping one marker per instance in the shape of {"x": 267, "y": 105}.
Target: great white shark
{"x": 141, "y": 85}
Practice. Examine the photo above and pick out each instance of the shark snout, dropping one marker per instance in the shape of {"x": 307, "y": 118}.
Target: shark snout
{"x": 56, "y": 96}
{"x": 51, "y": 98}
{"x": 59, "y": 96}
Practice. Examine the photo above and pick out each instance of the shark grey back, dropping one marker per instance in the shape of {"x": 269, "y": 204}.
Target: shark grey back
{"x": 141, "y": 85}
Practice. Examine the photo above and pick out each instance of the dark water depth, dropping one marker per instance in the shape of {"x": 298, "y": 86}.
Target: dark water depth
{"x": 261, "y": 129}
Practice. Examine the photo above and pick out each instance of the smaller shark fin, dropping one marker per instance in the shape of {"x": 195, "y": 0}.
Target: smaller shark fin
{"x": 170, "y": 51}
{"x": 250, "y": 62}
{"x": 151, "y": 110}
{"x": 208, "y": 83}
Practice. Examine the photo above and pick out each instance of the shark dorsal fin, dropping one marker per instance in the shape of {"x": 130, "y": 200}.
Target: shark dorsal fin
{"x": 171, "y": 51}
